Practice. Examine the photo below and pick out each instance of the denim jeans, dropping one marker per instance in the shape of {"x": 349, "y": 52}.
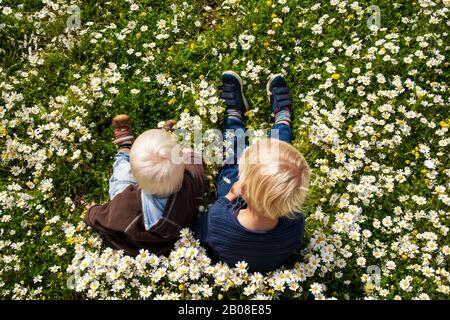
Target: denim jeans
{"x": 228, "y": 174}
{"x": 121, "y": 176}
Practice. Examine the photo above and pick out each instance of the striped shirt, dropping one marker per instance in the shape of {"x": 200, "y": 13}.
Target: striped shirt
{"x": 230, "y": 242}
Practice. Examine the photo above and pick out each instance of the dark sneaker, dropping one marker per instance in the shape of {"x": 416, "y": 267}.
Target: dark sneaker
{"x": 232, "y": 92}
{"x": 123, "y": 132}
{"x": 279, "y": 95}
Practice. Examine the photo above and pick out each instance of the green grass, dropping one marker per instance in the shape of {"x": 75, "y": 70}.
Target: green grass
{"x": 203, "y": 52}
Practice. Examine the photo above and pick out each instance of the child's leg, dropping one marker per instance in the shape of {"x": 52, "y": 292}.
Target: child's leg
{"x": 234, "y": 130}
{"x": 234, "y": 133}
{"x": 234, "y": 138}
{"x": 121, "y": 176}
{"x": 280, "y": 106}
{"x": 281, "y": 131}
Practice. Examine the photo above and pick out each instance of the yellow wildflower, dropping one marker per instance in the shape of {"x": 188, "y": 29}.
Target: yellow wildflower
{"x": 335, "y": 76}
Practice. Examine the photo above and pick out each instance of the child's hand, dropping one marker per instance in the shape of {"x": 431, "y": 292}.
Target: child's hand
{"x": 91, "y": 205}
{"x": 235, "y": 192}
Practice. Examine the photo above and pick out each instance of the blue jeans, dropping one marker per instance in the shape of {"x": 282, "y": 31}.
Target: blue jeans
{"x": 228, "y": 174}
{"x": 121, "y": 177}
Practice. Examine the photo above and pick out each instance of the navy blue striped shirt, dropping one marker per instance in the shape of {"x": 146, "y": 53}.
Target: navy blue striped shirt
{"x": 231, "y": 242}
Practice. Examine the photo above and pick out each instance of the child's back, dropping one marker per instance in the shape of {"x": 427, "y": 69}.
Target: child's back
{"x": 231, "y": 242}
{"x": 267, "y": 226}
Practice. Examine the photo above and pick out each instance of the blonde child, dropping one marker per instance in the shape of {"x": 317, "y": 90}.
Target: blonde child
{"x": 257, "y": 215}
{"x": 152, "y": 195}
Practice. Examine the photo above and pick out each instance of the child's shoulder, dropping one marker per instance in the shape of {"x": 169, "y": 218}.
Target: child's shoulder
{"x": 223, "y": 209}
{"x": 223, "y": 204}
{"x": 295, "y": 222}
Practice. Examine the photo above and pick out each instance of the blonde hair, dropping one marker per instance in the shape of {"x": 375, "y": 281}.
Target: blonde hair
{"x": 274, "y": 178}
{"x": 153, "y": 163}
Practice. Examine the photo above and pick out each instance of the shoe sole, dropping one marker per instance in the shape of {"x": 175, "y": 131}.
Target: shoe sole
{"x": 234, "y": 74}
